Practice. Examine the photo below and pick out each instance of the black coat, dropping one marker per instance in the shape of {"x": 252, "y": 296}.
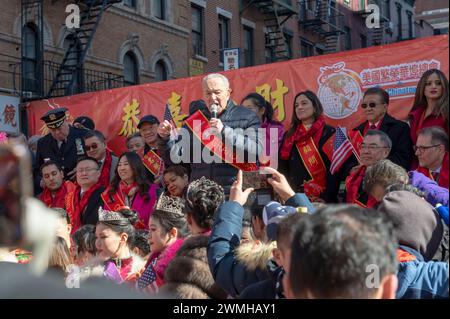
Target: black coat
{"x": 224, "y": 174}
{"x": 398, "y": 131}
{"x": 90, "y": 214}
{"x": 294, "y": 169}
{"x": 47, "y": 148}
{"x": 401, "y": 153}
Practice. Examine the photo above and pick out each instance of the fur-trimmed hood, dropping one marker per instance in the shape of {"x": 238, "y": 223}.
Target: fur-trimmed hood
{"x": 255, "y": 255}
{"x": 165, "y": 257}
{"x": 188, "y": 275}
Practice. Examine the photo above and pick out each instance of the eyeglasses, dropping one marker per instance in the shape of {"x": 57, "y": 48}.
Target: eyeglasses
{"x": 89, "y": 147}
{"x": 86, "y": 170}
{"x": 371, "y": 105}
{"x": 423, "y": 148}
{"x": 371, "y": 147}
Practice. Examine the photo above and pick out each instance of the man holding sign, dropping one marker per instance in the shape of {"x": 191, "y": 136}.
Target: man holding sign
{"x": 218, "y": 142}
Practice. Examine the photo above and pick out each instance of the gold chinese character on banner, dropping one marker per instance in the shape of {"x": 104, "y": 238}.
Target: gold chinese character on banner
{"x": 277, "y": 96}
{"x": 307, "y": 149}
{"x": 312, "y": 160}
{"x": 130, "y": 118}
{"x": 175, "y": 109}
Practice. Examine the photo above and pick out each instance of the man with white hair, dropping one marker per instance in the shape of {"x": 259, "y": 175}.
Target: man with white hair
{"x": 222, "y": 117}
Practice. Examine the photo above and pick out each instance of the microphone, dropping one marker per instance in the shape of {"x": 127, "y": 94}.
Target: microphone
{"x": 214, "y": 111}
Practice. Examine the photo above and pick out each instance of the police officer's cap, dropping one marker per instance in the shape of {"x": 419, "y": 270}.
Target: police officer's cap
{"x": 55, "y": 117}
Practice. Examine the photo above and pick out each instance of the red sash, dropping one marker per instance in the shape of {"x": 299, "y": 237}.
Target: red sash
{"x": 115, "y": 202}
{"x": 75, "y": 207}
{"x": 213, "y": 143}
{"x": 316, "y": 168}
{"x": 356, "y": 139}
{"x": 443, "y": 175}
{"x": 57, "y": 201}
{"x": 353, "y": 187}
{"x": 153, "y": 163}
{"x": 106, "y": 169}
{"x": 112, "y": 202}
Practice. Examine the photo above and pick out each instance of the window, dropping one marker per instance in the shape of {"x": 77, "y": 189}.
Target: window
{"x": 159, "y": 7}
{"x": 248, "y": 46}
{"x": 30, "y": 58}
{"x": 363, "y": 41}
{"x": 399, "y": 21}
{"x": 362, "y": 5}
{"x": 288, "y": 38}
{"x": 306, "y": 48}
{"x": 160, "y": 71}
{"x": 387, "y": 9}
{"x": 348, "y": 38}
{"x": 410, "y": 25}
{"x": 319, "y": 51}
{"x": 224, "y": 35}
{"x": 130, "y": 3}
{"x": 130, "y": 72}
{"x": 197, "y": 30}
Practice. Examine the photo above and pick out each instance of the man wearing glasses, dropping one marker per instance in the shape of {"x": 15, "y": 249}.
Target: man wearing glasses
{"x": 95, "y": 147}
{"x": 375, "y": 147}
{"x": 83, "y": 202}
{"x": 375, "y": 105}
{"x": 432, "y": 151}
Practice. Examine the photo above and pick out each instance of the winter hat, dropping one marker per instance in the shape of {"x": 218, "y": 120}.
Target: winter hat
{"x": 273, "y": 212}
{"x": 417, "y": 223}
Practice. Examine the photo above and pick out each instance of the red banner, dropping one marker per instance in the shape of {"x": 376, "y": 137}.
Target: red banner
{"x": 338, "y": 79}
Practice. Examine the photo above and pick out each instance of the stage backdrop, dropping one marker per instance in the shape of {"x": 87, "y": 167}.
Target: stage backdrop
{"x": 338, "y": 79}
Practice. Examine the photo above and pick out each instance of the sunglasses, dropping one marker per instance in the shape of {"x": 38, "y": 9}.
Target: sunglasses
{"x": 89, "y": 147}
{"x": 371, "y": 105}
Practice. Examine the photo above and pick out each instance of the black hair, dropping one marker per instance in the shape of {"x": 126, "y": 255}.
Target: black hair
{"x": 88, "y": 158}
{"x": 139, "y": 175}
{"x": 171, "y": 219}
{"x": 178, "y": 170}
{"x": 333, "y": 249}
{"x": 318, "y": 110}
{"x": 84, "y": 239}
{"x": 125, "y": 225}
{"x": 61, "y": 213}
{"x": 261, "y": 102}
{"x": 286, "y": 228}
{"x": 378, "y": 91}
{"x": 49, "y": 163}
{"x": 141, "y": 241}
{"x": 202, "y": 200}
{"x": 95, "y": 133}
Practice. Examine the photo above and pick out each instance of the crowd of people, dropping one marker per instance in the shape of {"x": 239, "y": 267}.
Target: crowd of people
{"x": 376, "y": 226}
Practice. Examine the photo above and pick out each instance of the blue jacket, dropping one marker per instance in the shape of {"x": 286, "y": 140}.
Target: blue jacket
{"x": 418, "y": 279}
{"x": 231, "y": 275}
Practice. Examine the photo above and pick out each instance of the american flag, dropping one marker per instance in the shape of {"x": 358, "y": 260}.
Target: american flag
{"x": 168, "y": 117}
{"x": 148, "y": 277}
{"x": 342, "y": 150}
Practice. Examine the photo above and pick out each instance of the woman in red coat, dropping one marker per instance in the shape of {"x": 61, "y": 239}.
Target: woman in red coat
{"x": 430, "y": 104}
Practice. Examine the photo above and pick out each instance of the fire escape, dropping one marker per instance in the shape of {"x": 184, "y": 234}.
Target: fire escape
{"x": 69, "y": 77}
{"x": 276, "y": 13}
{"x": 323, "y": 18}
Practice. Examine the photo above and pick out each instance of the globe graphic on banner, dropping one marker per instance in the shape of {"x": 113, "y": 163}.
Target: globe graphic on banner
{"x": 340, "y": 95}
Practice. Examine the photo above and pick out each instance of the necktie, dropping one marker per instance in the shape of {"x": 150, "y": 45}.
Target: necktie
{"x": 373, "y": 127}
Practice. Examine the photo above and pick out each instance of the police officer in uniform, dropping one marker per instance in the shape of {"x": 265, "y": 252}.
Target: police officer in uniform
{"x": 64, "y": 144}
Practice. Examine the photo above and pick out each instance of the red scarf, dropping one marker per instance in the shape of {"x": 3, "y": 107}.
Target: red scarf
{"x": 128, "y": 191}
{"x": 75, "y": 207}
{"x": 57, "y": 201}
{"x": 352, "y": 185}
{"x": 302, "y": 134}
{"x": 106, "y": 169}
